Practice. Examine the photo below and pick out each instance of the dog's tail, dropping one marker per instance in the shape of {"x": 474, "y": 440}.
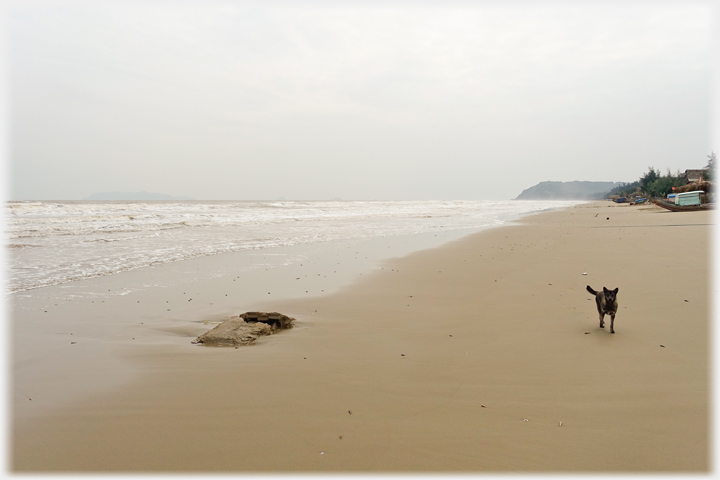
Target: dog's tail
{"x": 591, "y": 290}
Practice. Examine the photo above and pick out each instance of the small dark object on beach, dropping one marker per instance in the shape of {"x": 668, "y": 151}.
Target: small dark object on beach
{"x": 686, "y": 301}
{"x": 73, "y": 343}
{"x": 662, "y": 346}
{"x": 274, "y": 319}
{"x": 587, "y": 333}
{"x": 350, "y": 412}
{"x": 608, "y": 218}
{"x": 483, "y": 406}
{"x": 402, "y": 354}
{"x": 340, "y": 437}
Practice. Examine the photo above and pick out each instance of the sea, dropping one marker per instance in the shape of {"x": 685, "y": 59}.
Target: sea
{"x": 56, "y": 242}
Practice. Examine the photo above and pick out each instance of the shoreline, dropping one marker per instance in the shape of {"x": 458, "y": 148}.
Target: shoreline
{"x": 117, "y": 243}
{"x": 110, "y": 315}
{"x": 415, "y": 352}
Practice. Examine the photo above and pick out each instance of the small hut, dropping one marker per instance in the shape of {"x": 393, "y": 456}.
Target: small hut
{"x": 695, "y": 175}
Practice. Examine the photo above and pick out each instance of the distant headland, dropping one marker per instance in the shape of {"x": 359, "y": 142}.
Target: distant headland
{"x": 134, "y": 196}
{"x": 568, "y": 191}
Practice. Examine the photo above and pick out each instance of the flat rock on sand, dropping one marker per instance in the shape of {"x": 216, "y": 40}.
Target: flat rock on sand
{"x": 234, "y": 332}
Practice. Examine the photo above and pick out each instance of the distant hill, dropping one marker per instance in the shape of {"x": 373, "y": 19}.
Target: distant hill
{"x": 133, "y": 196}
{"x": 568, "y": 191}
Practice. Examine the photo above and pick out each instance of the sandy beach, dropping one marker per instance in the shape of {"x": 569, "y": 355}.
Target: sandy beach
{"x": 482, "y": 355}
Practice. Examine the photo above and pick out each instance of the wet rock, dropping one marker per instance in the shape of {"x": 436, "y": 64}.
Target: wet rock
{"x": 245, "y": 329}
{"x": 277, "y": 321}
{"x": 234, "y": 332}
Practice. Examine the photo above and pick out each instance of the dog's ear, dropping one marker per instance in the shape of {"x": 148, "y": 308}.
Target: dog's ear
{"x": 616, "y": 290}
{"x": 606, "y": 290}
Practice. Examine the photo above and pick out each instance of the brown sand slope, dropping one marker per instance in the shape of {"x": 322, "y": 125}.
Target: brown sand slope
{"x": 401, "y": 364}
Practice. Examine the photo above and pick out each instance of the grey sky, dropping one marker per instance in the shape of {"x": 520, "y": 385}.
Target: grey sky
{"x": 306, "y": 100}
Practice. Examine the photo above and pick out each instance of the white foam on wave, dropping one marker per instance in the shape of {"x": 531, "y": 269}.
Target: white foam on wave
{"x": 79, "y": 240}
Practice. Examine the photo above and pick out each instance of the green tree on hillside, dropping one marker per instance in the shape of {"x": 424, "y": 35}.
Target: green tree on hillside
{"x": 624, "y": 190}
{"x": 655, "y": 185}
{"x": 647, "y": 179}
{"x": 661, "y": 186}
{"x": 652, "y": 184}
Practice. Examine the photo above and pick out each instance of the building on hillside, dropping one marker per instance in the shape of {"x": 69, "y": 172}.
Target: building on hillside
{"x": 692, "y": 176}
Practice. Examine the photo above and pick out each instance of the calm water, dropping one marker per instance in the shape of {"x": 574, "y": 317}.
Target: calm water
{"x": 57, "y": 242}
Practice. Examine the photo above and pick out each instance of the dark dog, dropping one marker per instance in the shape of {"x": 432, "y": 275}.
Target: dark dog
{"x": 606, "y": 305}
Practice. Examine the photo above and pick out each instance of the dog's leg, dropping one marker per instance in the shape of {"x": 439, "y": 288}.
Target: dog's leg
{"x": 602, "y": 320}
{"x": 612, "y": 322}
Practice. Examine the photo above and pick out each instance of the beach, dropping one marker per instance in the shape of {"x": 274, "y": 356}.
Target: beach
{"x": 480, "y": 355}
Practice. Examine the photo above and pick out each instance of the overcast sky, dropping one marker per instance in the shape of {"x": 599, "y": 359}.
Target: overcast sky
{"x": 311, "y": 100}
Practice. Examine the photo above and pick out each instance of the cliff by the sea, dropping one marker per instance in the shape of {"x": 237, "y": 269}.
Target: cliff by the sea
{"x": 567, "y": 191}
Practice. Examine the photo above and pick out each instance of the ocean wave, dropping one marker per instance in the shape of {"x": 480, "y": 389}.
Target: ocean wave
{"x": 87, "y": 239}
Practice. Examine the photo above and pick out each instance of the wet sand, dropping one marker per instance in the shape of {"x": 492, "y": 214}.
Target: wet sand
{"x": 463, "y": 358}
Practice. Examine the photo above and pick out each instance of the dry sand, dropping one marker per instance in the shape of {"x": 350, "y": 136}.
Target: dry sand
{"x": 463, "y": 358}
